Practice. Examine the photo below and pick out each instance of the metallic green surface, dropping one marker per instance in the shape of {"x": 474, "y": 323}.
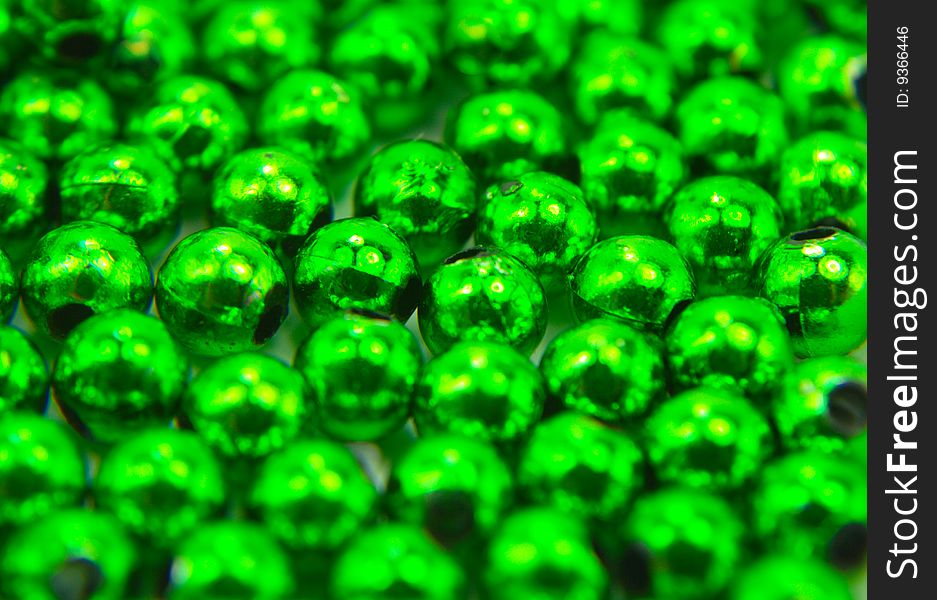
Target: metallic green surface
{"x": 24, "y": 377}
{"x": 619, "y": 16}
{"x": 782, "y": 577}
{"x": 23, "y": 180}
{"x": 154, "y": 43}
{"x": 9, "y": 288}
{"x": 70, "y": 32}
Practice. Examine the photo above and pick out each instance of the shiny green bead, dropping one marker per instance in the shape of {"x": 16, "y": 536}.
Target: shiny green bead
{"x": 543, "y": 220}
{"x": 55, "y": 116}
{"x": 782, "y": 577}
{"x": 41, "y": 469}
{"x": 845, "y": 17}
{"x": 818, "y": 279}
{"x": 82, "y": 269}
{"x": 396, "y": 561}
{"x": 272, "y": 194}
{"x": 504, "y": 134}
{"x": 707, "y": 438}
{"x": 481, "y": 390}
{"x": 452, "y": 486}
{"x": 312, "y": 495}
{"x": 221, "y": 290}
{"x": 9, "y": 288}
{"x": 232, "y": 560}
{"x": 73, "y": 31}
{"x": 49, "y": 558}
{"x": 24, "y": 377}
{"x": 824, "y": 176}
{"x": 316, "y": 116}
{"x": 730, "y": 342}
{"x": 483, "y": 295}
{"x": 423, "y": 191}
{"x": 637, "y": 279}
{"x": 542, "y": 553}
{"x": 618, "y": 16}
{"x": 247, "y": 405}
{"x": 361, "y": 371}
{"x": 161, "y": 484}
{"x": 357, "y": 263}
{"x": 580, "y": 466}
{"x": 630, "y": 168}
{"x": 23, "y": 180}
{"x": 722, "y": 225}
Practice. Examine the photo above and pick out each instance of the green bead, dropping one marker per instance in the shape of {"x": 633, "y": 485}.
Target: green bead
{"x": 825, "y": 176}
{"x": 542, "y": 553}
{"x": 395, "y": 561}
{"x": 316, "y": 116}
{"x": 82, "y": 269}
{"x": 504, "y": 134}
{"x": 312, "y": 495}
{"x": 481, "y": 390}
{"x": 72, "y": 31}
{"x": 231, "y": 560}
{"x": 818, "y": 279}
{"x": 361, "y": 371}
{"x": 618, "y": 16}
{"x": 543, "y": 220}
{"x": 221, "y": 290}
{"x": 635, "y": 278}
{"x": 41, "y": 469}
{"x": 66, "y": 551}
{"x": 722, "y": 225}
{"x": 707, "y": 438}
{"x": 630, "y": 168}
{"x": 247, "y": 405}
{"x": 581, "y": 467}
{"x": 845, "y": 17}
{"x": 730, "y": 342}
{"x": 782, "y": 577}
{"x": 24, "y": 377}
{"x": 271, "y": 194}
{"x": 55, "y": 116}
{"x": 161, "y": 484}
{"x": 9, "y": 288}
{"x": 483, "y": 295}
{"x": 23, "y": 180}
{"x": 423, "y": 191}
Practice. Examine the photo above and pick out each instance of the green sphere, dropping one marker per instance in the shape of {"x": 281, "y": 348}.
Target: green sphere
{"x": 782, "y": 577}
{"x": 483, "y": 295}
{"x": 361, "y": 371}
{"x": 357, "y": 263}
{"x": 24, "y": 377}
{"x": 707, "y": 438}
{"x": 23, "y": 180}
{"x": 221, "y": 290}
{"x": 818, "y": 279}
{"x": 161, "y": 484}
{"x": 722, "y": 225}
{"x": 481, "y": 390}
{"x": 543, "y": 220}
{"x": 72, "y": 31}
{"x": 82, "y": 269}
{"x": 9, "y": 288}
{"x": 423, "y": 191}
{"x": 637, "y": 279}
{"x": 41, "y": 468}
{"x": 312, "y": 494}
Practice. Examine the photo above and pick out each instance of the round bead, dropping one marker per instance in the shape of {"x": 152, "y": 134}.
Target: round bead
{"x": 722, "y": 225}
{"x": 81, "y": 269}
{"x": 71, "y": 32}
{"x": 154, "y": 44}
{"x": 24, "y": 378}
{"x": 161, "y": 484}
{"x": 356, "y": 263}
{"x": 117, "y": 373}
{"x": 23, "y": 181}
{"x": 707, "y": 438}
{"x": 619, "y": 16}
{"x": 629, "y": 170}
{"x": 9, "y": 289}
{"x": 543, "y": 220}
{"x": 314, "y": 115}
{"x": 312, "y": 495}
{"x": 638, "y": 279}
{"x": 781, "y": 577}
{"x": 221, "y": 290}
{"x": 818, "y": 279}
{"x": 481, "y": 390}
{"x": 361, "y": 371}
{"x": 483, "y": 295}
{"x": 41, "y": 469}
{"x": 423, "y": 191}
{"x": 247, "y": 405}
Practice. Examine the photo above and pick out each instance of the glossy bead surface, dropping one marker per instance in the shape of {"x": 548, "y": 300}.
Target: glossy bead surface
{"x": 818, "y": 279}
{"x": 481, "y": 390}
{"x": 356, "y": 263}
{"x": 637, "y": 279}
{"x": 619, "y": 16}
{"x": 781, "y": 577}
{"x": 70, "y": 32}
{"x": 483, "y": 295}
{"x": 24, "y": 378}
{"x": 360, "y": 370}
{"x": 23, "y": 180}
{"x": 221, "y": 290}
{"x": 81, "y": 269}
{"x": 9, "y": 288}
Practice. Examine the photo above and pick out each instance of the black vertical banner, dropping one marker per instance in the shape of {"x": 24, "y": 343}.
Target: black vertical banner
{"x": 902, "y": 261}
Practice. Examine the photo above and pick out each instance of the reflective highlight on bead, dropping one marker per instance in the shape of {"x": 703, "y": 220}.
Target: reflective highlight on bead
{"x": 24, "y": 377}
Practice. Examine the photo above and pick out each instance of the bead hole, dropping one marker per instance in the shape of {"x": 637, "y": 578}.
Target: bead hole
{"x": 65, "y": 318}
{"x": 813, "y": 234}
{"x": 848, "y": 547}
{"x": 77, "y": 579}
{"x": 467, "y": 254}
{"x": 450, "y": 515}
{"x": 80, "y": 46}
{"x": 847, "y": 409}
{"x": 275, "y": 310}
